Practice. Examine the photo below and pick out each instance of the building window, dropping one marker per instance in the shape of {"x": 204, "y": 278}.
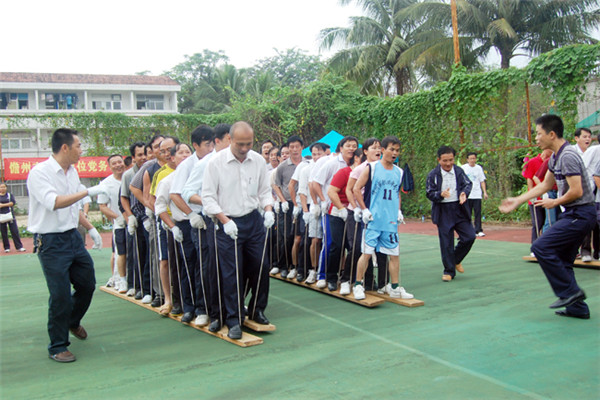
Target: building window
{"x": 150, "y": 102}
{"x": 16, "y": 142}
{"x": 14, "y": 101}
{"x": 106, "y": 102}
{"x": 60, "y": 101}
{"x": 18, "y": 188}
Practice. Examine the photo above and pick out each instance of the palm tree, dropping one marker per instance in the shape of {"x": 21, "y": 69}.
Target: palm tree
{"x": 509, "y": 26}
{"x": 373, "y": 45}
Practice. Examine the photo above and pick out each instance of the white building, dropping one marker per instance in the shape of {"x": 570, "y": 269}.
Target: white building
{"x": 24, "y": 94}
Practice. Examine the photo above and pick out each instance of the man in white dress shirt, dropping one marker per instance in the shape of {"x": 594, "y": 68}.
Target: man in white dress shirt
{"x": 235, "y": 185}
{"x": 54, "y": 193}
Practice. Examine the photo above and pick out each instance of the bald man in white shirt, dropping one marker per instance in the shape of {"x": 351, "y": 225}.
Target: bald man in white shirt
{"x": 235, "y": 185}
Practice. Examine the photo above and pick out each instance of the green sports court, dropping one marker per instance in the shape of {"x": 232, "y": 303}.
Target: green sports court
{"x": 489, "y": 334}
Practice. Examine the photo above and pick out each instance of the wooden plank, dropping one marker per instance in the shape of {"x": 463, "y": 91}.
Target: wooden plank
{"x": 256, "y": 327}
{"x": 402, "y": 302}
{"x": 370, "y": 301}
{"x": 578, "y": 263}
{"x": 247, "y": 339}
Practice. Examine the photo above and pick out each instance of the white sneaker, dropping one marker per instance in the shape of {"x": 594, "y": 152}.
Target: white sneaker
{"x": 312, "y": 276}
{"x": 274, "y": 271}
{"x": 147, "y": 299}
{"x": 22, "y": 249}
{"x": 292, "y": 273}
{"x": 398, "y": 293}
{"x": 122, "y": 285}
{"x": 131, "y": 292}
{"x": 381, "y": 290}
{"x": 359, "y": 292}
{"x": 345, "y": 288}
{"x": 321, "y": 283}
{"x": 111, "y": 282}
{"x": 7, "y": 251}
{"x": 586, "y": 258}
{"x": 532, "y": 255}
{"x": 201, "y": 320}
{"x": 481, "y": 234}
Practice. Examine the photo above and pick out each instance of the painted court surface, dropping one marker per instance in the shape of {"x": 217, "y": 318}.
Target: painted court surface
{"x": 489, "y": 334}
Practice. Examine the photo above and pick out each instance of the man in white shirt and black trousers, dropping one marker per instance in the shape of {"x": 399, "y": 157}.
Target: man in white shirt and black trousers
{"x": 235, "y": 186}
{"x": 54, "y": 193}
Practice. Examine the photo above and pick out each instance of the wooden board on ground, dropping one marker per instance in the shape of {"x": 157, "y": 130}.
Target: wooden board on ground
{"x": 247, "y": 339}
{"x": 402, "y": 302}
{"x": 256, "y": 327}
{"x": 578, "y": 263}
{"x": 370, "y": 301}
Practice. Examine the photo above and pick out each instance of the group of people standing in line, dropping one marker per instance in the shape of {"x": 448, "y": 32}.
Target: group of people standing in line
{"x": 198, "y": 229}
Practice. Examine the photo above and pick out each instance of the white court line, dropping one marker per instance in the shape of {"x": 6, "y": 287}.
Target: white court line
{"x": 417, "y": 352}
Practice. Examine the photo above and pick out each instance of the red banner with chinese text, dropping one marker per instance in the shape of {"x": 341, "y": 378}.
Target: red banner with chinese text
{"x": 87, "y": 167}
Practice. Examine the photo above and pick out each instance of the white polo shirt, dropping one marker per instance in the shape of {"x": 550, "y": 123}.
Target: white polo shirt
{"x": 46, "y": 181}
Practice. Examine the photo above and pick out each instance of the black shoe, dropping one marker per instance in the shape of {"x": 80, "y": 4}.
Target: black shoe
{"x": 176, "y": 310}
{"x": 157, "y": 302}
{"x": 138, "y": 296}
{"x": 259, "y": 317}
{"x": 332, "y": 287}
{"x": 215, "y": 326}
{"x": 235, "y": 332}
{"x": 579, "y": 296}
{"x": 187, "y": 317}
{"x": 565, "y": 313}
{"x": 284, "y": 273}
{"x": 300, "y": 277}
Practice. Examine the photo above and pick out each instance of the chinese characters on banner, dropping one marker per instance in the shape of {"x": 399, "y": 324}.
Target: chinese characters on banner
{"x": 88, "y": 167}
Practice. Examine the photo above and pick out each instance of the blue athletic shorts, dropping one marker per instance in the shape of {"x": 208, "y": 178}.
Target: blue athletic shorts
{"x": 381, "y": 241}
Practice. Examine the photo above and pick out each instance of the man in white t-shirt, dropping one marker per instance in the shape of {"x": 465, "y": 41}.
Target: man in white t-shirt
{"x": 477, "y": 176}
{"x": 109, "y": 206}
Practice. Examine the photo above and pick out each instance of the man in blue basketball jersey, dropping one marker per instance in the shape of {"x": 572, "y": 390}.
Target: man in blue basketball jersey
{"x": 382, "y": 218}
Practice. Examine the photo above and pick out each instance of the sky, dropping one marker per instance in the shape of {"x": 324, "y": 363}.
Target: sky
{"x": 129, "y": 36}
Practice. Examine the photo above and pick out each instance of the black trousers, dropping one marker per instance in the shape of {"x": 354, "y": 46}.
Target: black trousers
{"x": 538, "y": 218}
{"x": 285, "y": 232}
{"x": 452, "y": 220}
{"x": 475, "y": 211}
{"x": 189, "y": 271}
{"x": 138, "y": 276}
{"x": 65, "y": 262}
{"x": 14, "y": 232}
{"x": 213, "y": 281}
{"x": 557, "y": 248}
{"x": 250, "y": 245}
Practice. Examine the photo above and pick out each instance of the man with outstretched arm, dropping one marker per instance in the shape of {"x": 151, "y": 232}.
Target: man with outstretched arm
{"x": 54, "y": 193}
{"x": 557, "y": 248}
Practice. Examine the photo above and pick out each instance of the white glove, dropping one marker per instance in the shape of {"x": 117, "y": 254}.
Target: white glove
{"x": 357, "y": 214}
{"x": 132, "y": 224}
{"x": 324, "y": 208}
{"x": 149, "y": 213}
{"x": 196, "y": 221}
{"x": 177, "y": 234}
{"x": 119, "y": 222}
{"x": 165, "y": 226}
{"x": 285, "y": 207}
{"x": 315, "y": 210}
{"x": 96, "y": 238}
{"x": 269, "y": 219}
{"x": 231, "y": 229}
{"x": 306, "y": 217}
{"x": 296, "y": 211}
{"x": 276, "y": 207}
{"x": 340, "y": 213}
{"x": 96, "y": 190}
{"x": 147, "y": 224}
{"x": 400, "y": 217}
{"x": 367, "y": 216}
